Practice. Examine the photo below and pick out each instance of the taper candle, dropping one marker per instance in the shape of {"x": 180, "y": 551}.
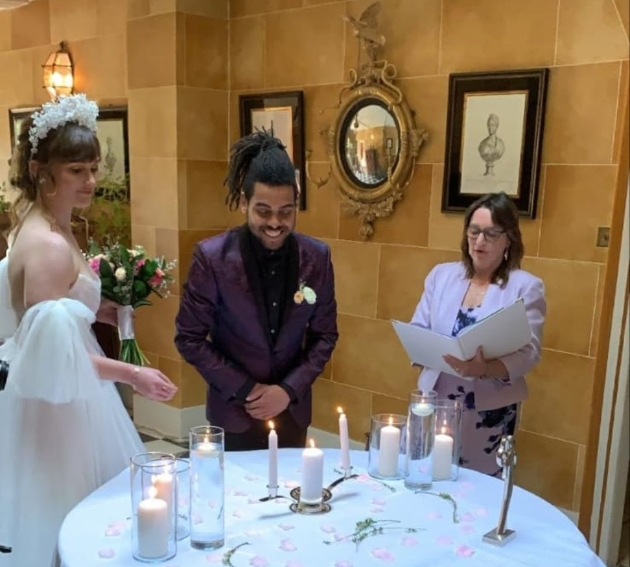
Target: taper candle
{"x": 273, "y": 456}
{"x": 344, "y": 440}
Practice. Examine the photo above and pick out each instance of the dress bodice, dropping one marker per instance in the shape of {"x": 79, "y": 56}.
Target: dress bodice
{"x": 87, "y": 290}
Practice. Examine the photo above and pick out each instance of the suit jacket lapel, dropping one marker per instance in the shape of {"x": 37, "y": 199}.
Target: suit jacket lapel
{"x": 294, "y": 269}
{"x": 251, "y": 271}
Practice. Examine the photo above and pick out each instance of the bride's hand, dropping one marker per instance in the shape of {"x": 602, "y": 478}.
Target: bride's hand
{"x": 152, "y": 384}
{"x": 108, "y": 312}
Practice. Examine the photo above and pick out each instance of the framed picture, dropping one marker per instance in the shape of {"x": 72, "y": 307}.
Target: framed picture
{"x": 282, "y": 114}
{"x": 112, "y": 135}
{"x": 494, "y": 137}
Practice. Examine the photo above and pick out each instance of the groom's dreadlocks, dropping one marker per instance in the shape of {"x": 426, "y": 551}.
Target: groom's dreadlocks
{"x": 257, "y": 158}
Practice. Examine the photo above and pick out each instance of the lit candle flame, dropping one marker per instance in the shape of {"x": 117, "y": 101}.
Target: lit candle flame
{"x": 271, "y": 425}
{"x": 391, "y": 420}
{"x": 152, "y": 492}
{"x": 339, "y": 409}
{"x": 312, "y": 443}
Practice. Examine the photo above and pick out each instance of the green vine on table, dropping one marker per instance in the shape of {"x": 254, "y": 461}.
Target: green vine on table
{"x": 444, "y": 496}
{"x": 371, "y": 528}
{"x": 227, "y": 556}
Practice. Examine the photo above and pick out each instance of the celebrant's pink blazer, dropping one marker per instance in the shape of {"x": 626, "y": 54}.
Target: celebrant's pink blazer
{"x": 444, "y": 290}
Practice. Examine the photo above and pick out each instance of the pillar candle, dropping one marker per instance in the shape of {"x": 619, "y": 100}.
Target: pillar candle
{"x": 273, "y": 457}
{"x": 312, "y": 475}
{"x": 343, "y": 440}
{"x": 389, "y": 448}
{"x": 442, "y": 456}
{"x": 163, "y": 484}
{"x": 153, "y": 527}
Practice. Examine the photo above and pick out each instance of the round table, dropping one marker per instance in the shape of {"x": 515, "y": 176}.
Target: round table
{"x": 419, "y": 527}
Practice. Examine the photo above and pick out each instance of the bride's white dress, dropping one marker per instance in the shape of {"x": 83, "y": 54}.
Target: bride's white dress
{"x": 63, "y": 430}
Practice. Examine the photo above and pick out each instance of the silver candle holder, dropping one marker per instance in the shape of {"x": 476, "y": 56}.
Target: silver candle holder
{"x": 298, "y": 506}
{"x": 506, "y": 458}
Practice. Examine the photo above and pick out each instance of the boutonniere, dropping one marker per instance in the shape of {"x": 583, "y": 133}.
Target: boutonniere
{"x": 305, "y": 293}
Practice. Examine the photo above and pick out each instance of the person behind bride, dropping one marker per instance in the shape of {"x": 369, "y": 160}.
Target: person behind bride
{"x": 457, "y": 294}
{"x": 63, "y": 428}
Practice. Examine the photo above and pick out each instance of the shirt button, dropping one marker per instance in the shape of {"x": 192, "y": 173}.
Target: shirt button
{"x": 275, "y": 304}
{"x": 273, "y": 272}
{"x": 273, "y": 331}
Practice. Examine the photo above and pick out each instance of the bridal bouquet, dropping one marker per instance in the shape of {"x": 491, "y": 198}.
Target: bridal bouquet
{"x": 128, "y": 277}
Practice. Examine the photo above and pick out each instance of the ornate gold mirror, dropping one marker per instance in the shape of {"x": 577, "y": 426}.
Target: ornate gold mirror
{"x": 373, "y": 142}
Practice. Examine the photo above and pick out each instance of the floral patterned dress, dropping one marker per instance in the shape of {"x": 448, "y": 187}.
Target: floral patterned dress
{"x": 481, "y": 430}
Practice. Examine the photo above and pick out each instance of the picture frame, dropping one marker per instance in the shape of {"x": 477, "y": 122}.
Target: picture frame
{"x": 281, "y": 113}
{"x": 112, "y": 134}
{"x": 494, "y": 132}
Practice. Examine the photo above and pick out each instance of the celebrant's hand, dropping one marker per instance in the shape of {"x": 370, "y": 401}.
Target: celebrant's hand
{"x": 476, "y": 367}
{"x": 152, "y": 384}
{"x": 108, "y": 312}
{"x": 266, "y": 401}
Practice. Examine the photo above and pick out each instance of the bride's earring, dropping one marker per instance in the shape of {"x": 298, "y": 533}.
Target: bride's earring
{"x": 505, "y": 255}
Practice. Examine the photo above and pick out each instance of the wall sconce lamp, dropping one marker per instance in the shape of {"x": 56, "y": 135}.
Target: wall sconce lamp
{"x": 59, "y": 73}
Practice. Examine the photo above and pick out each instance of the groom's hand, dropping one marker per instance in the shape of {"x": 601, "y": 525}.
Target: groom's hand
{"x": 266, "y": 401}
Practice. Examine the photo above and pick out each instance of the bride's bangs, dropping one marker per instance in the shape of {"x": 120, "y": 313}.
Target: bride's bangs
{"x": 75, "y": 143}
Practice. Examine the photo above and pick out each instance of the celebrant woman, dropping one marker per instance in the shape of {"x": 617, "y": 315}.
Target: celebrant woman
{"x": 457, "y": 294}
{"x": 63, "y": 428}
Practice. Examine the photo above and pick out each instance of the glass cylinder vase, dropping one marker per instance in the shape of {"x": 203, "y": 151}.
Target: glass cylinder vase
{"x": 420, "y": 439}
{"x": 446, "y": 449}
{"x": 207, "y": 488}
{"x": 386, "y": 455}
{"x": 154, "y": 507}
{"x": 183, "y": 498}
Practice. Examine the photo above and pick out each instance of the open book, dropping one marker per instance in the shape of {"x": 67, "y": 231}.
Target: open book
{"x": 503, "y": 332}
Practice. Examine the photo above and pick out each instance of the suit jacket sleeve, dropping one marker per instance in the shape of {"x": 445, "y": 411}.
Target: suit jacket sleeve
{"x": 193, "y": 324}
{"x": 519, "y": 363}
{"x": 321, "y": 337}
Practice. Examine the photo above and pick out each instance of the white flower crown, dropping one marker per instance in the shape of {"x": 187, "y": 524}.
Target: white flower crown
{"x": 72, "y": 108}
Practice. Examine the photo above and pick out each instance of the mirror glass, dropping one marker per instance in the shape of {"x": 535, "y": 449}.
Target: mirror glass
{"x": 371, "y": 144}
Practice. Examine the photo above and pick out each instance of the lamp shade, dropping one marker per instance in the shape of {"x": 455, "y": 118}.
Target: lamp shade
{"x": 59, "y": 73}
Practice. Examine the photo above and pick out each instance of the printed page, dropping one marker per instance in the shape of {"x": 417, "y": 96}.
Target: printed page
{"x": 505, "y": 331}
{"x": 427, "y": 347}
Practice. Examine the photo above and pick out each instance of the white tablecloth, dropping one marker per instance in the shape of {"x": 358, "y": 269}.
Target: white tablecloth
{"x": 97, "y": 531}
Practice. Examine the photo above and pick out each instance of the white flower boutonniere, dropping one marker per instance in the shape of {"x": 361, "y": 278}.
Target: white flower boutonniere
{"x": 305, "y": 293}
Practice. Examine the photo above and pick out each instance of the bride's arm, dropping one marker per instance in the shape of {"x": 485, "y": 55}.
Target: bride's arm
{"x": 49, "y": 273}
{"x": 149, "y": 382}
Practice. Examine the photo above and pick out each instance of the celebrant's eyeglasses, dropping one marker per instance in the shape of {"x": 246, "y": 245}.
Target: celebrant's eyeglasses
{"x": 4, "y": 374}
{"x": 490, "y": 234}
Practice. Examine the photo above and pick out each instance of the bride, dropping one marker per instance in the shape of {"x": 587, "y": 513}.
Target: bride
{"x": 63, "y": 428}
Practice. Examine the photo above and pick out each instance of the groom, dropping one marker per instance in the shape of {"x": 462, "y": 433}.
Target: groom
{"x": 258, "y": 316}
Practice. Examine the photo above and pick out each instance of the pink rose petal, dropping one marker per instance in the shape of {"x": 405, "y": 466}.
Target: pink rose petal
{"x": 327, "y": 529}
{"x": 378, "y": 488}
{"x": 379, "y": 501}
{"x": 291, "y": 484}
{"x": 376, "y": 509}
{"x": 481, "y": 512}
{"x": 112, "y": 532}
{"x": 258, "y": 561}
{"x": 464, "y": 551}
{"x": 443, "y": 540}
{"x": 363, "y": 478}
{"x": 383, "y": 554}
{"x": 287, "y": 545}
{"x": 408, "y": 541}
{"x": 252, "y": 500}
{"x": 466, "y": 517}
{"x": 106, "y": 553}
{"x": 252, "y": 477}
{"x": 240, "y": 493}
{"x": 238, "y": 514}
{"x": 467, "y": 485}
{"x": 343, "y": 563}
{"x": 434, "y": 515}
{"x": 214, "y": 558}
{"x": 286, "y": 527}
{"x": 253, "y": 533}
{"x": 292, "y": 563}
{"x": 467, "y": 529}
{"x": 196, "y": 519}
{"x": 339, "y": 537}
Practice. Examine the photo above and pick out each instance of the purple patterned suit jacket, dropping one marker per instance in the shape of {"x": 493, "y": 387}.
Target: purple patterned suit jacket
{"x": 221, "y": 327}
{"x": 444, "y": 290}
